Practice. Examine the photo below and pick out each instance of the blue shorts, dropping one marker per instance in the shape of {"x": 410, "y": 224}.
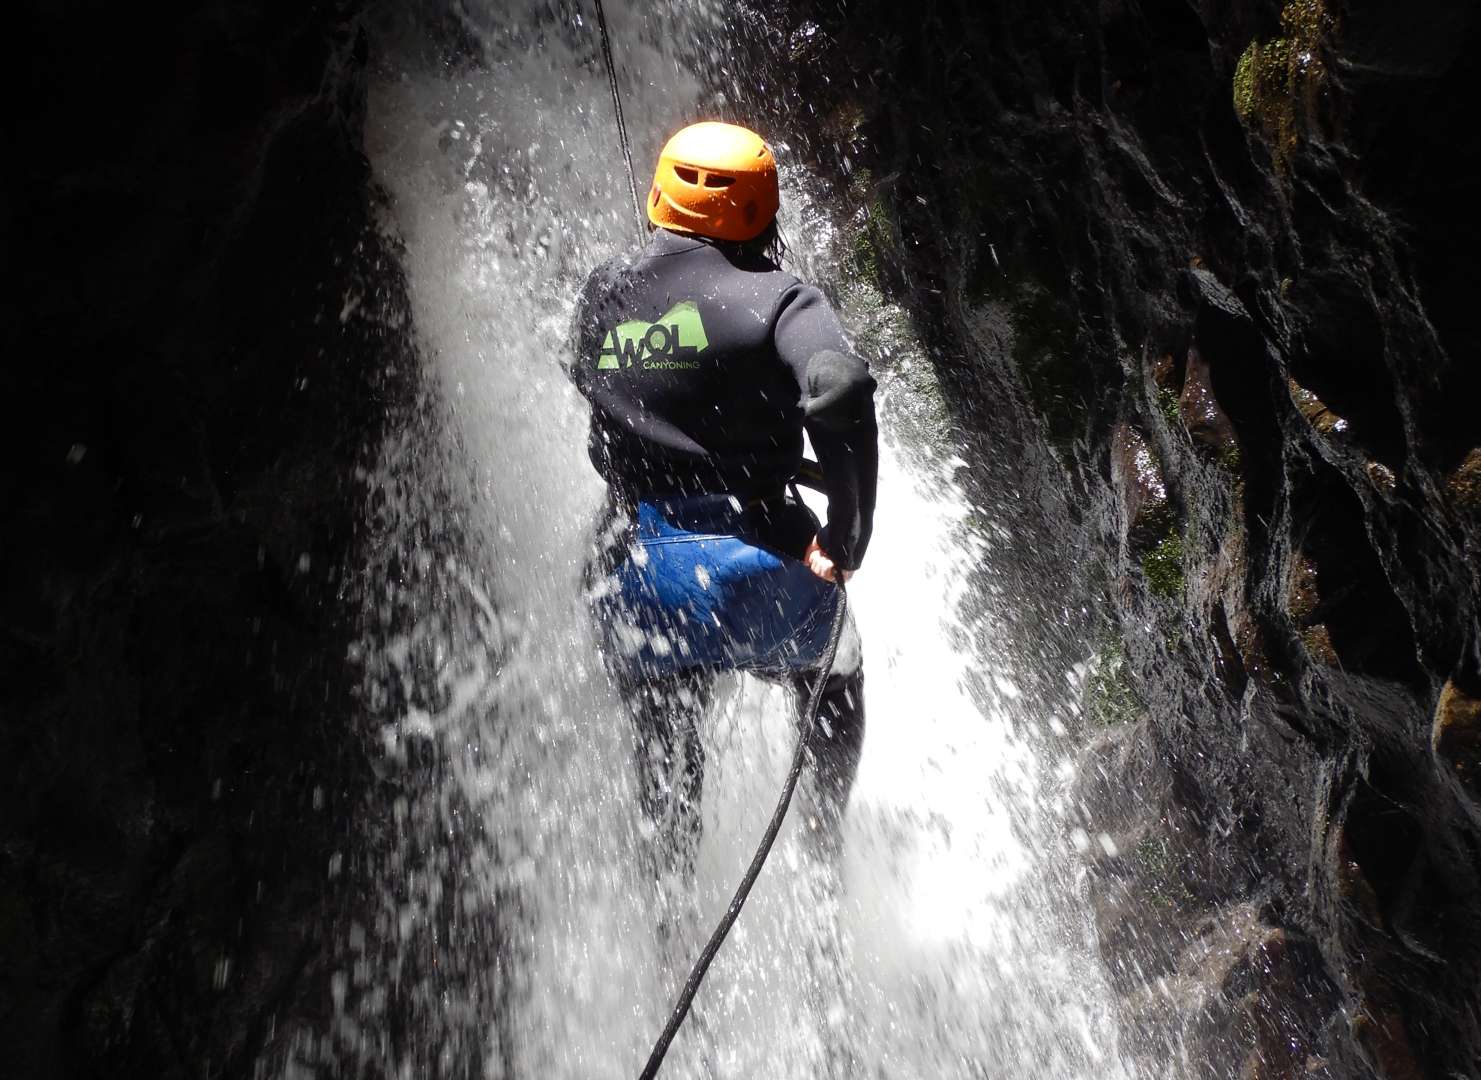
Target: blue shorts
{"x": 695, "y": 590}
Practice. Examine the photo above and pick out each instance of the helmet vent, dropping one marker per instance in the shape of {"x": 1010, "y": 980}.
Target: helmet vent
{"x": 717, "y": 180}
{"x": 688, "y": 175}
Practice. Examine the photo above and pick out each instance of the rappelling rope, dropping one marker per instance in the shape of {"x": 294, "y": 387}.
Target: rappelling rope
{"x": 804, "y": 737}
{"x": 627, "y": 150}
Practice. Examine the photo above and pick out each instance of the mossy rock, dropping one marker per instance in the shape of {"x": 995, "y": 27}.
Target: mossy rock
{"x": 1160, "y": 873}
{"x": 1381, "y": 477}
{"x": 1315, "y": 411}
{"x": 873, "y": 233}
{"x": 1303, "y": 588}
{"x": 1455, "y": 738}
{"x": 1168, "y": 405}
{"x": 1163, "y": 566}
{"x": 1110, "y": 700}
{"x": 1317, "y": 641}
{"x": 1463, "y": 485}
{"x": 1276, "y": 82}
{"x": 864, "y": 257}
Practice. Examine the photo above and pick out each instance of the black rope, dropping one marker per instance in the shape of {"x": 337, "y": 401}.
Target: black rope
{"x": 804, "y": 737}
{"x": 627, "y": 150}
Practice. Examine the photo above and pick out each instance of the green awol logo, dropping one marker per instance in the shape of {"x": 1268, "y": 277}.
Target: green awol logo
{"x": 674, "y": 341}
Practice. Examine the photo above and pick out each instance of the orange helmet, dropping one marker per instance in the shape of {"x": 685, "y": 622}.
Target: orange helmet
{"x": 717, "y": 180}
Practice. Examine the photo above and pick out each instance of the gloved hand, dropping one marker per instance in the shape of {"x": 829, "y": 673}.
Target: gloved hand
{"x": 819, "y": 563}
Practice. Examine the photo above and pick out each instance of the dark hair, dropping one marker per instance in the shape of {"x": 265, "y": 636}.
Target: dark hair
{"x": 769, "y": 244}
{"x": 776, "y": 244}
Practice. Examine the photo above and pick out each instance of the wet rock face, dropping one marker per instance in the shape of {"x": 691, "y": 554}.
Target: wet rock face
{"x": 190, "y": 381}
{"x": 1224, "y": 253}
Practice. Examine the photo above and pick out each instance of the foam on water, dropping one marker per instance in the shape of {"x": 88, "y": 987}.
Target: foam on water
{"x": 933, "y": 952}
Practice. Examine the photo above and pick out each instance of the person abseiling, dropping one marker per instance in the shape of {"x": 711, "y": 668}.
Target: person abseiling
{"x": 704, "y": 362}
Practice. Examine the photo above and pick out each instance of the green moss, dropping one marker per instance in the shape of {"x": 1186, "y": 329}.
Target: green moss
{"x": 1305, "y": 20}
{"x": 1163, "y": 566}
{"x": 865, "y": 259}
{"x": 873, "y": 241}
{"x": 1161, "y": 875}
{"x": 1317, "y": 640}
{"x": 1228, "y": 458}
{"x": 873, "y": 235}
{"x": 1244, "y": 81}
{"x": 1261, "y": 81}
{"x": 1167, "y": 403}
{"x": 1463, "y": 485}
{"x": 1110, "y": 700}
{"x": 1276, "y": 82}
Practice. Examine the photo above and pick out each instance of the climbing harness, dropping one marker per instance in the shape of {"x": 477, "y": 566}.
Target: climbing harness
{"x": 804, "y": 737}
{"x": 627, "y": 151}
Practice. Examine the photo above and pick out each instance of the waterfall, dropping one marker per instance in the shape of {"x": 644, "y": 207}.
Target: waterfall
{"x": 507, "y": 921}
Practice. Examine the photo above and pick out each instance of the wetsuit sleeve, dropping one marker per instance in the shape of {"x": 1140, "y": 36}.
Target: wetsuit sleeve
{"x": 838, "y": 412}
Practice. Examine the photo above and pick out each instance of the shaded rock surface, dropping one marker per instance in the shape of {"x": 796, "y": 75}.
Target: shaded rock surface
{"x": 1216, "y": 259}
{"x": 202, "y": 344}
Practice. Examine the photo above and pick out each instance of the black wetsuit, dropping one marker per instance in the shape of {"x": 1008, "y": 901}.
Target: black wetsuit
{"x": 703, "y": 364}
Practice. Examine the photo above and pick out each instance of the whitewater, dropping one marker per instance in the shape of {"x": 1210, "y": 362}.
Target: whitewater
{"x": 508, "y": 912}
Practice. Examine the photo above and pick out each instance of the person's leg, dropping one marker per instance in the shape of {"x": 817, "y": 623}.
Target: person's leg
{"x": 837, "y": 742}
{"x": 838, "y": 738}
{"x": 666, "y": 713}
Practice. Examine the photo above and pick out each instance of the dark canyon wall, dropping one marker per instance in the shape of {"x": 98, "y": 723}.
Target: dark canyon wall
{"x": 1225, "y": 253}
{"x": 201, "y": 346}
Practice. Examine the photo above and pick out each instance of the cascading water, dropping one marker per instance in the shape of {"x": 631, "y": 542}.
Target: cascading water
{"x": 507, "y": 928}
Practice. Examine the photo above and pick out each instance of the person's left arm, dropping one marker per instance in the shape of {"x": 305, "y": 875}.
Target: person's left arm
{"x": 837, "y": 394}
